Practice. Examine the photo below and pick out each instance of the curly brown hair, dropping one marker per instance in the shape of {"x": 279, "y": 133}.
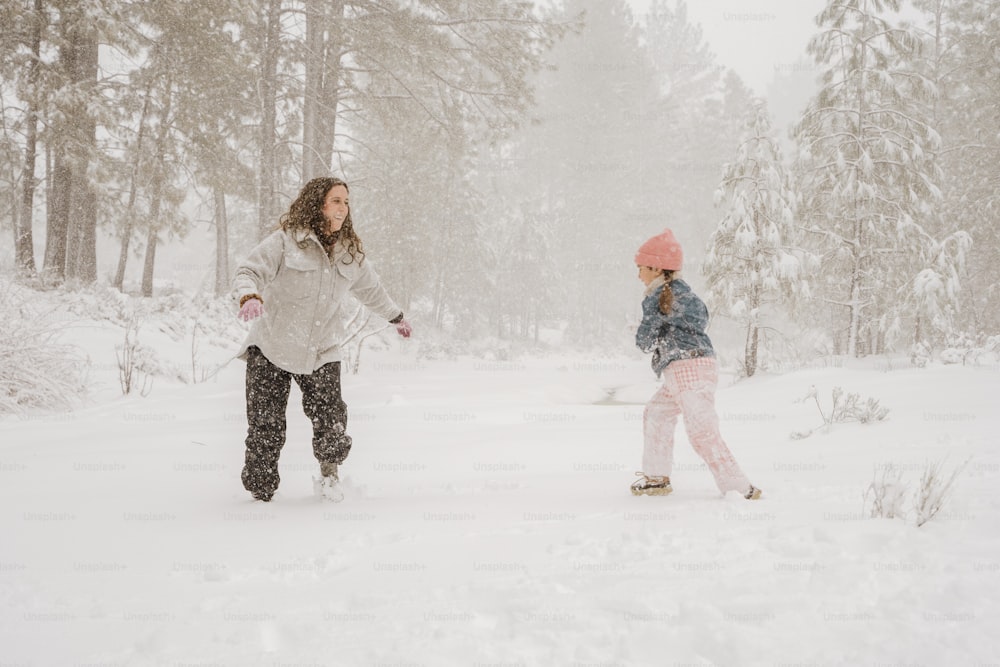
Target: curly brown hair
{"x": 306, "y": 213}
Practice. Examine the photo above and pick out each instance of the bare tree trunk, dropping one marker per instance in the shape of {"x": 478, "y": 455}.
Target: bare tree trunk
{"x": 753, "y": 339}
{"x": 24, "y": 246}
{"x": 133, "y": 187}
{"x": 56, "y": 224}
{"x": 858, "y": 251}
{"x": 322, "y": 86}
{"x": 753, "y": 335}
{"x": 61, "y": 184}
{"x": 157, "y": 192}
{"x": 854, "y": 326}
{"x": 267, "y": 174}
{"x": 70, "y": 244}
{"x": 438, "y": 309}
{"x": 149, "y": 262}
{"x": 314, "y": 48}
{"x": 81, "y": 260}
{"x": 221, "y": 244}
{"x": 150, "y": 259}
{"x": 936, "y": 116}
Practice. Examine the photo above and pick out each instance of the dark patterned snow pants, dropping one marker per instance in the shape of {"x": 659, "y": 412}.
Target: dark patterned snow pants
{"x": 267, "y": 388}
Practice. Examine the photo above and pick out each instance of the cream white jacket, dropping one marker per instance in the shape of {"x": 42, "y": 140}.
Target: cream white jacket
{"x": 302, "y": 289}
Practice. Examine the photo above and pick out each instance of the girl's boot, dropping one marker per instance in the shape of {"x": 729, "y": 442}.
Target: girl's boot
{"x": 651, "y": 485}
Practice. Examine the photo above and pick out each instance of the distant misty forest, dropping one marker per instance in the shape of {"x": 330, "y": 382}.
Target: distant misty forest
{"x": 506, "y": 159}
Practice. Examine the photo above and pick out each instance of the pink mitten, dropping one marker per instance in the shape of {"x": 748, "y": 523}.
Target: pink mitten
{"x": 404, "y": 329}
{"x": 252, "y": 309}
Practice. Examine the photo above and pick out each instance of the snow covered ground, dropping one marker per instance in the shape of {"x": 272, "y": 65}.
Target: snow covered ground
{"x": 488, "y": 522}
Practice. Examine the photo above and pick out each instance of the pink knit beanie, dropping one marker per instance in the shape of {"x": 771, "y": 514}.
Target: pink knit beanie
{"x": 661, "y": 252}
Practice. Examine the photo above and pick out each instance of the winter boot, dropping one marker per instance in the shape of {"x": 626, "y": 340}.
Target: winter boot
{"x": 328, "y": 484}
{"x": 651, "y": 486}
{"x": 328, "y": 469}
{"x": 753, "y": 493}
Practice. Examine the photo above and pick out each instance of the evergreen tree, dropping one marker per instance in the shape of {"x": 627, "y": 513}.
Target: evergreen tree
{"x": 867, "y": 176}
{"x": 462, "y": 64}
{"x": 264, "y": 30}
{"x": 78, "y": 104}
{"x": 632, "y": 129}
{"x": 960, "y": 59}
{"x": 752, "y": 267}
{"x": 64, "y": 101}
{"x": 182, "y": 126}
{"x": 418, "y": 210}
{"x": 699, "y": 114}
{"x": 522, "y": 283}
{"x": 25, "y": 67}
{"x": 12, "y": 40}
{"x": 584, "y": 167}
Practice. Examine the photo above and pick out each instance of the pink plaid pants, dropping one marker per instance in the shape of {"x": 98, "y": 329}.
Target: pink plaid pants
{"x": 689, "y": 390}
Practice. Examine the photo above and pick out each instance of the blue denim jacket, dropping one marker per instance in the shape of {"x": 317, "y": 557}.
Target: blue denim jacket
{"x": 677, "y": 335}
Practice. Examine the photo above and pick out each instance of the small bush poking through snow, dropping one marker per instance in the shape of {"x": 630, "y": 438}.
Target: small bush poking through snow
{"x": 843, "y": 409}
{"x": 934, "y": 489}
{"x": 886, "y": 496}
{"x": 129, "y": 362}
{"x": 36, "y": 370}
{"x": 971, "y": 350}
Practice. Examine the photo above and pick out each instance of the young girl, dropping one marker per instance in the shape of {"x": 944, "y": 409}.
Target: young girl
{"x": 299, "y": 276}
{"x": 673, "y": 329}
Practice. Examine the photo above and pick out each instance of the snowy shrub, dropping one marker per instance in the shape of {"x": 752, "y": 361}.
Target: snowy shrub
{"x": 100, "y": 302}
{"x": 202, "y": 371}
{"x": 207, "y": 320}
{"x": 920, "y": 354}
{"x": 750, "y": 264}
{"x": 971, "y": 350}
{"x": 216, "y": 319}
{"x": 886, "y": 497}
{"x": 130, "y": 362}
{"x": 889, "y": 363}
{"x": 438, "y": 350}
{"x": 934, "y": 489}
{"x": 171, "y": 314}
{"x": 36, "y": 369}
{"x": 843, "y": 409}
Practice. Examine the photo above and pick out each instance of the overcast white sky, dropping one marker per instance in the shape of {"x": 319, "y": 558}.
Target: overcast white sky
{"x": 755, "y": 38}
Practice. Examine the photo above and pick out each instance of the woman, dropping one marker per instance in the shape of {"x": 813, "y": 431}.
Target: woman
{"x": 291, "y": 285}
{"x": 673, "y": 329}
